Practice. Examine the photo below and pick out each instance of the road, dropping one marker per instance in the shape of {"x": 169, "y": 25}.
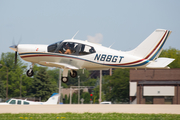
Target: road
{"x": 125, "y": 108}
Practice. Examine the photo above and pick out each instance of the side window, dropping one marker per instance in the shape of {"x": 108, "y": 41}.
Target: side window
{"x": 68, "y": 48}
{"x": 19, "y": 102}
{"x": 85, "y": 49}
{"x": 74, "y": 48}
{"x": 53, "y": 47}
{"x": 26, "y": 103}
{"x": 13, "y": 102}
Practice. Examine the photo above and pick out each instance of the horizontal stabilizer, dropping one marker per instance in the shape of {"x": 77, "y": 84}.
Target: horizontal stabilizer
{"x": 160, "y": 63}
{"x": 60, "y": 65}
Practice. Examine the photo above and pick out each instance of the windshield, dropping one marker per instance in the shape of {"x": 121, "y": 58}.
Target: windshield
{"x": 52, "y": 47}
{"x": 72, "y": 48}
{"x": 8, "y": 100}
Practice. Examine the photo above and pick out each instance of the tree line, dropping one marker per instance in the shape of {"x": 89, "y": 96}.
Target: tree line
{"x": 115, "y": 88}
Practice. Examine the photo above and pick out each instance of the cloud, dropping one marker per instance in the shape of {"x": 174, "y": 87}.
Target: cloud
{"x": 96, "y": 39}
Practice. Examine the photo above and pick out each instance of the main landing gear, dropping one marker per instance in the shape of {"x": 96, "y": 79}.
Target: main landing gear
{"x": 73, "y": 74}
{"x": 64, "y": 79}
{"x": 30, "y": 72}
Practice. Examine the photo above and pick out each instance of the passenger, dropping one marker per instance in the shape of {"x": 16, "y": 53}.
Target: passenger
{"x": 92, "y": 50}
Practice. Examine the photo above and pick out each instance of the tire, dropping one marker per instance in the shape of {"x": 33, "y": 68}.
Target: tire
{"x": 64, "y": 79}
{"x": 30, "y": 74}
{"x": 74, "y": 74}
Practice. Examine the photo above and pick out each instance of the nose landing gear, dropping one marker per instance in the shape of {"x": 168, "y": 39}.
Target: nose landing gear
{"x": 30, "y": 72}
{"x": 64, "y": 79}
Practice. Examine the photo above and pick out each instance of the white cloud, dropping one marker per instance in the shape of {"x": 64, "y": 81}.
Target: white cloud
{"x": 96, "y": 39}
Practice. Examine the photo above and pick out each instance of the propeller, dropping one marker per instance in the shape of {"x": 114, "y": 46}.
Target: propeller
{"x": 14, "y": 47}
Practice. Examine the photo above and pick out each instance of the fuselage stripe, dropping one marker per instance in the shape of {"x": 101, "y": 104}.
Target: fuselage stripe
{"x": 155, "y": 46}
{"x": 136, "y": 63}
{"x": 160, "y": 47}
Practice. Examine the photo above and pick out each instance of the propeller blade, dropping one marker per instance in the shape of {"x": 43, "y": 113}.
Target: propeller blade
{"x": 15, "y": 48}
{"x": 19, "y": 40}
{"x": 15, "y": 58}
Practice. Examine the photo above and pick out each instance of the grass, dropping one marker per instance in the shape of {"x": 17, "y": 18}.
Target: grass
{"x": 88, "y": 116}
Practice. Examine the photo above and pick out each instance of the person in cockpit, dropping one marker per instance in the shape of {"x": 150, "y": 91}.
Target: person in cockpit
{"x": 92, "y": 50}
{"x": 68, "y": 51}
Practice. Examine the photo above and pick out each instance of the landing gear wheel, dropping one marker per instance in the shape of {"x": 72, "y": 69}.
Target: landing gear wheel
{"x": 73, "y": 73}
{"x": 30, "y": 73}
{"x": 64, "y": 79}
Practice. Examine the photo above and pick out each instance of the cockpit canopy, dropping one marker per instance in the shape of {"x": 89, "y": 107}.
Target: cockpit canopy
{"x": 73, "y": 48}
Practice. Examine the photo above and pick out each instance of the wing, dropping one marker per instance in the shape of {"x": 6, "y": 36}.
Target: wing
{"x": 59, "y": 65}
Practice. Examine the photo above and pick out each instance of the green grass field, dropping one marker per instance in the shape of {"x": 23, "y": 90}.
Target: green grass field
{"x": 89, "y": 116}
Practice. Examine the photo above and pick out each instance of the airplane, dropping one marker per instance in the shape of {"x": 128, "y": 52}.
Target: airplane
{"x": 73, "y": 54}
{"x": 52, "y": 100}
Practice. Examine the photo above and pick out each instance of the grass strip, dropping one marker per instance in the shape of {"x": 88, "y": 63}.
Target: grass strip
{"x": 88, "y": 116}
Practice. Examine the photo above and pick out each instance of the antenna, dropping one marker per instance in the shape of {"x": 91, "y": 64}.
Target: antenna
{"x": 75, "y": 34}
{"x": 111, "y": 45}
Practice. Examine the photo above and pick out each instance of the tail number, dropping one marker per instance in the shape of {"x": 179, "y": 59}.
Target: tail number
{"x": 108, "y": 58}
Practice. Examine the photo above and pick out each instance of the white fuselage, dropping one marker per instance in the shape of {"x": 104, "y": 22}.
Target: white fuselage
{"x": 103, "y": 58}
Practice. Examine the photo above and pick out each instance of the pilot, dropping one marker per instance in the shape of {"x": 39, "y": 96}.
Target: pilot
{"x": 68, "y": 51}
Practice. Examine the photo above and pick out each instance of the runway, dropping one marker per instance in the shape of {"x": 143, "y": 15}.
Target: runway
{"x": 128, "y": 108}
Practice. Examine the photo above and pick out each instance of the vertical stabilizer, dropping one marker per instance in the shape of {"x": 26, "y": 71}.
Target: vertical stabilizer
{"x": 151, "y": 47}
{"x": 53, "y": 99}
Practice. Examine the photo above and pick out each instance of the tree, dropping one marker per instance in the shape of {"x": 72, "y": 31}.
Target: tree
{"x": 172, "y": 53}
{"x": 116, "y": 87}
{"x": 74, "y": 98}
{"x": 42, "y": 85}
{"x": 96, "y": 95}
{"x": 86, "y": 97}
{"x": 2, "y": 90}
{"x": 90, "y": 82}
{"x": 83, "y": 77}
{"x": 54, "y": 77}
{"x": 66, "y": 100}
{"x": 15, "y": 73}
{"x": 69, "y": 99}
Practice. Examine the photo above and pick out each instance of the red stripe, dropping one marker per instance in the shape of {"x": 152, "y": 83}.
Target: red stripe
{"x": 77, "y": 58}
{"x": 45, "y": 55}
{"x": 156, "y": 46}
{"x": 35, "y": 55}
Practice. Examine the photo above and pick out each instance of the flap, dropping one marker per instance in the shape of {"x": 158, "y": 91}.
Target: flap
{"x": 60, "y": 65}
{"x": 160, "y": 63}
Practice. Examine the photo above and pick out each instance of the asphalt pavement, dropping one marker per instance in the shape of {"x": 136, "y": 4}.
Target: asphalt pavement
{"x": 96, "y": 108}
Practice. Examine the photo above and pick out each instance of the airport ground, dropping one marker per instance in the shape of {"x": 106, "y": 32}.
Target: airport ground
{"x": 83, "y": 108}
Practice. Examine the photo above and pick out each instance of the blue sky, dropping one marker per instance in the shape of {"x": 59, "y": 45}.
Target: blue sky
{"x": 127, "y": 23}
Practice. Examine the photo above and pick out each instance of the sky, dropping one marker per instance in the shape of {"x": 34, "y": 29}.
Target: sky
{"x": 126, "y": 23}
